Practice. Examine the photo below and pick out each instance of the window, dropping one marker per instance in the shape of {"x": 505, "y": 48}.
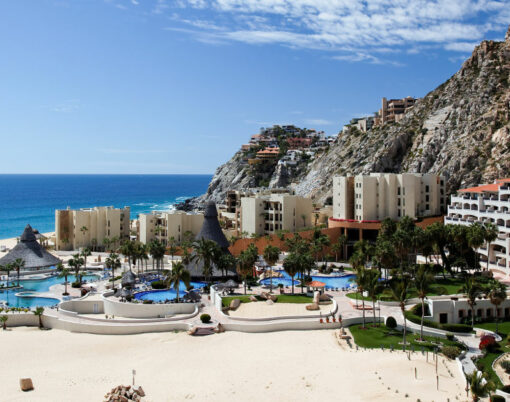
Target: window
{"x": 398, "y": 203}
{"x": 427, "y": 207}
{"x": 461, "y": 313}
{"x": 426, "y": 188}
{"x": 398, "y": 191}
{"x": 398, "y": 212}
{"x": 427, "y": 198}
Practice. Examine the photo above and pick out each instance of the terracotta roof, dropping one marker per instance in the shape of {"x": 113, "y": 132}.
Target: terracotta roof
{"x": 316, "y": 284}
{"x": 481, "y": 189}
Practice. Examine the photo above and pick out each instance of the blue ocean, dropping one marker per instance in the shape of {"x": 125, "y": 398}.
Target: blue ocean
{"x": 33, "y": 198}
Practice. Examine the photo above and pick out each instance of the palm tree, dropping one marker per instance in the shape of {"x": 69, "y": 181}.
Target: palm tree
{"x": 319, "y": 242}
{"x": 207, "y": 252}
{"x": 85, "y": 253}
{"x": 400, "y": 289}
{"x": 7, "y": 268}
{"x": 271, "y": 256}
{"x": 291, "y": 265}
{"x": 178, "y": 273}
{"x": 441, "y": 235}
{"x": 479, "y": 385}
{"x": 472, "y": 290}
{"x": 362, "y": 277}
{"x": 157, "y": 250}
{"x": 224, "y": 263}
{"x": 245, "y": 266}
{"x": 372, "y": 287}
{"x": 491, "y": 234}
{"x": 17, "y": 264}
{"x": 63, "y": 273}
{"x": 127, "y": 249}
{"x": 422, "y": 280}
{"x": 107, "y": 242}
{"x": 113, "y": 262}
{"x": 76, "y": 263}
{"x": 39, "y": 312}
{"x": 83, "y": 230}
{"x": 3, "y": 320}
{"x": 172, "y": 247}
{"x": 303, "y": 216}
{"x": 496, "y": 292}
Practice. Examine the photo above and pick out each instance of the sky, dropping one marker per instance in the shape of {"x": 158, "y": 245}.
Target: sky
{"x": 176, "y": 86}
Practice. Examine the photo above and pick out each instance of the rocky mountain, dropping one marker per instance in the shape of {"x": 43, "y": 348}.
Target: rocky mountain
{"x": 460, "y": 130}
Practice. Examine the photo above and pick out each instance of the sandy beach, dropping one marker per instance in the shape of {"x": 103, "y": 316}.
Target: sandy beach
{"x": 281, "y": 366}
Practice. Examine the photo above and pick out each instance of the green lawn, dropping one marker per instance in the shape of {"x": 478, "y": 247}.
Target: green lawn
{"x": 281, "y": 299}
{"x": 448, "y": 286}
{"x": 488, "y": 359}
{"x": 374, "y": 337}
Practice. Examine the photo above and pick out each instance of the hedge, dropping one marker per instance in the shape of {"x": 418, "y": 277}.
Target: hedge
{"x": 414, "y": 315}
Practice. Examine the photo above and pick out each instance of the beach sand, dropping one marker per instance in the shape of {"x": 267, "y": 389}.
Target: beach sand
{"x": 233, "y": 366}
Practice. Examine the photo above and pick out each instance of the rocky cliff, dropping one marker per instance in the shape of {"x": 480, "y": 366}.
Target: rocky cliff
{"x": 460, "y": 130}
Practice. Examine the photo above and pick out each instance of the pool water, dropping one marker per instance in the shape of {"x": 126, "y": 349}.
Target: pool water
{"x": 36, "y": 286}
{"x": 330, "y": 281}
{"x": 166, "y": 294}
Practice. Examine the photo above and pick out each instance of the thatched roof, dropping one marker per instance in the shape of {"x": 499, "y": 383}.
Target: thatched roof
{"x": 128, "y": 279}
{"x": 211, "y": 229}
{"x": 31, "y": 252}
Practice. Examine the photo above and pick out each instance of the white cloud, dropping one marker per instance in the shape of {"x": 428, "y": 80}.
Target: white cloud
{"x": 358, "y": 28}
{"x": 67, "y": 106}
{"x": 461, "y": 46}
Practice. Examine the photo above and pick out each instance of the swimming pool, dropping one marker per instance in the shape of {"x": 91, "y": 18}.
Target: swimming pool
{"x": 330, "y": 281}
{"x": 166, "y": 294}
{"x": 42, "y": 285}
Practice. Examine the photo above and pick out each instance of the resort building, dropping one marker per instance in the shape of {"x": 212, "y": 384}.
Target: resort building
{"x": 89, "y": 227}
{"x": 363, "y": 124}
{"x": 361, "y": 202}
{"x": 165, "y": 225}
{"x": 388, "y": 195}
{"x": 486, "y": 203}
{"x": 393, "y": 110}
{"x": 458, "y": 311}
{"x": 266, "y": 213}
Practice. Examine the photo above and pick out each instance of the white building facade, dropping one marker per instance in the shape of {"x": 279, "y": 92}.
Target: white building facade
{"x": 387, "y": 195}
{"x": 486, "y": 203}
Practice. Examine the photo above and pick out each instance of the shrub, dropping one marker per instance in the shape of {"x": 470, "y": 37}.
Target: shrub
{"x": 158, "y": 285}
{"x": 451, "y": 352}
{"x": 450, "y": 336}
{"x": 147, "y": 302}
{"x": 391, "y": 323}
{"x": 505, "y": 365}
{"x": 205, "y": 318}
{"x": 76, "y": 284}
{"x": 487, "y": 343}
{"x": 506, "y": 389}
{"x": 497, "y": 398}
{"x": 457, "y": 327}
{"x": 118, "y": 277}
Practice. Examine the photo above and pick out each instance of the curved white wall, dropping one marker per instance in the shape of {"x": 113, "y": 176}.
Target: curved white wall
{"x": 139, "y": 310}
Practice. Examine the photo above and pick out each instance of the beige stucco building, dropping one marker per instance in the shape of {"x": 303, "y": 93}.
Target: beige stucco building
{"x": 89, "y": 227}
{"x": 387, "y": 195}
{"x": 165, "y": 225}
{"x": 267, "y": 213}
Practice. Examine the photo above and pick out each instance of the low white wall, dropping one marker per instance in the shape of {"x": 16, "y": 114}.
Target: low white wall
{"x": 21, "y": 319}
{"x": 82, "y": 306}
{"x": 139, "y": 310}
{"x": 128, "y": 328}
{"x": 292, "y": 325}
